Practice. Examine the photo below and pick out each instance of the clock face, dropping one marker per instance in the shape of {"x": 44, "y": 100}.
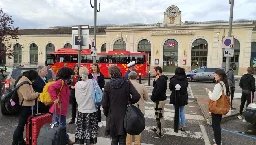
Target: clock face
{"x": 173, "y": 12}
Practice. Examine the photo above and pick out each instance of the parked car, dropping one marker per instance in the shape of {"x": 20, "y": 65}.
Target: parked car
{"x": 9, "y": 85}
{"x": 202, "y": 74}
{"x": 250, "y": 114}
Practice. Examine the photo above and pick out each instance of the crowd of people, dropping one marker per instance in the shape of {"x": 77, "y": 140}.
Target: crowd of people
{"x": 86, "y": 114}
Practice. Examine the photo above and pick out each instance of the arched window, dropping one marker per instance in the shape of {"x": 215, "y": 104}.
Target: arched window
{"x": 103, "y": 48}
{"x": 170, "y": 53}
{"x": 17, "y": 53}
{"x": 67, "y": 45}
{"x": 2, "y": 54}
{"x": 33, "y": 50}
{"x": 253, "y": 55}
{"x": 199, "y": 52}
{"x": 119, "y": 45}
{"x": 145, "y": 46}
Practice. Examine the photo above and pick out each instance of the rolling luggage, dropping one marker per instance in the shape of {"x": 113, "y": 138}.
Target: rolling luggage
{"x": 34, "y": 124}
{"x": 250, "y": 112}
{"x": 52, "y": 134}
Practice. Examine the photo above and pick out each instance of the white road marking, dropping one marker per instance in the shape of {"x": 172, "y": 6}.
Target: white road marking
{"x": 205, "y": 136}
{"x": 190, "y": 90}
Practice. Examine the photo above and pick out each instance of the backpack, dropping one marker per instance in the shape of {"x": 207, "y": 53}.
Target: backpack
{"x": 134, "y": 121}
{"x": 97, "y": 95}
{"x": 12, "y": 103}
{"x": 45, "y": 95}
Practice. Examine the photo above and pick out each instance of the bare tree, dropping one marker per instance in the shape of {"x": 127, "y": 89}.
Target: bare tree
{"x": 7, "y": 33}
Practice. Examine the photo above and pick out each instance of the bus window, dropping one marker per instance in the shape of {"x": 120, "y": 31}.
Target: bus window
{"x": 123, "y": 59}
{"x": 86, "y": 59}
{"x": 63, "y": 58}
{"x": 138, "y": 59}
{"x": 74, "y": 58}
{"x": 102, "y": 59}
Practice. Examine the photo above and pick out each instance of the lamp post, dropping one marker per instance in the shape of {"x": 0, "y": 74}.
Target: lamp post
{"x": 231, "y": 2}
{"x": 95, "y": 23}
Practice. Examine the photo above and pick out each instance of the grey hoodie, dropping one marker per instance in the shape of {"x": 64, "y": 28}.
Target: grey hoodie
{"x": 84, "y": 98}
{"x": 231, "y": 78}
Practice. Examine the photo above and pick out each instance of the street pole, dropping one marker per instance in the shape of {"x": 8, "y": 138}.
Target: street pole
{"x": 80, "y": 46}
{"x": 95, "y": 23}
{"x": 231, "y": 2}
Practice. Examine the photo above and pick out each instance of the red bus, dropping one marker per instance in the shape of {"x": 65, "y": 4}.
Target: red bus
{"x": 69, "y": 57}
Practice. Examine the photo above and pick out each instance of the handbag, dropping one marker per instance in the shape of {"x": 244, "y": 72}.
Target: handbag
{"x": 221, "y": 106}
{"x": 97, "y": 95}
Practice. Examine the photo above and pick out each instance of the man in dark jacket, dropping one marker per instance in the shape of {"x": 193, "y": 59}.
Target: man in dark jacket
{"x": 247, "y": 83}
{"x": 231, "y": 81}
{"x": 159, "y": 98}
{"x": 131, "y": 67}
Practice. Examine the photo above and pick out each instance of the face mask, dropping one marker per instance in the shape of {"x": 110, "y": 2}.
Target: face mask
{"x": 83, "y": 76}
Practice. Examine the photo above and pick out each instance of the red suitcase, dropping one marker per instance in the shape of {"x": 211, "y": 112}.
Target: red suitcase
{"x": 33, "y": 126}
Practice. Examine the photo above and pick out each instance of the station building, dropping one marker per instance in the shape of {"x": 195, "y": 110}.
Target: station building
{"x": 169, "y": 44}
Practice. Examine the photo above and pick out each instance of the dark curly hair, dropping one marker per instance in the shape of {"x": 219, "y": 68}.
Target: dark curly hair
{"x": 64, "y": 73}
{"x": 114, "y": 72}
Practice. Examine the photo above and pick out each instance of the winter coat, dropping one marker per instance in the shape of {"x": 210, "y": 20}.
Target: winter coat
{"x": 231, "y": 78}
{"x": 100, "y": 79}
{"x": 247, "y": 83}
{"x": 114, "y": 104}
{"x": 183, "y": 97}
{"x": 160, "y": 87}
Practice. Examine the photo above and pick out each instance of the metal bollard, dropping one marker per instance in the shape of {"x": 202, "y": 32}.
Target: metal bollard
{"x": 148, "y": 78}
{"x": 140, "y": 78}
{"x": 177, "y": 110}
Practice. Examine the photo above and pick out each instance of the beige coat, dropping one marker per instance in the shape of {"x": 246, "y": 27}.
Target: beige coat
{"x": 142, "y": 90}
{"x": 26, "y": 92}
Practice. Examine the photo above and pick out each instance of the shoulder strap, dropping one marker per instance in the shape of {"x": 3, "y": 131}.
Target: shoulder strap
{"x": 22, "y": 83}
{"x": 222, "y": 88}
{"x": 62, "y": 84}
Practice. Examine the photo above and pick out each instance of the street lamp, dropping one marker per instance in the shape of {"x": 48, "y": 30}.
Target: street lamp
{"x": 95, "y": 23}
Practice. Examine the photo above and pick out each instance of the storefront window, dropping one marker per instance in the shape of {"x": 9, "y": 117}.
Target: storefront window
{"x": 49, "y": 49}
{"x": 199, "y": 52}
{"x": 33, "y": 53}
{"x": 67, "y": 45}
{"x": 103, "y": 48}
{"x": 170, "y": 53}
{"x": 145, "y": 46}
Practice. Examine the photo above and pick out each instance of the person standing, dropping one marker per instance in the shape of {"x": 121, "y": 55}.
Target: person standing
{"x": 87, "y": 124}
{"x": 114, "y": 103}
{"x": 220, "y": 86}
{"x": 142, "y": 90}
{"x": 231, "y": 82}
{"x": 181, "y": 79}
{"x": 247, "y": 83}
{"x": 131, "y": 67}
{"x": 99, "y": 77}
{"x": 159, "y": 98}
{"x": 72, "y": 94}
{"x": 27, "y": 97}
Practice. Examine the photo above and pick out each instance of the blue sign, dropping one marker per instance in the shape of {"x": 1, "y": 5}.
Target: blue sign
{"x": 78, "y": 40}
{"x": 227, "y": 42}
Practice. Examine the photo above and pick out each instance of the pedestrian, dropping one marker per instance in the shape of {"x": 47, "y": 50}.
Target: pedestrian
{"x": 220, "y": 86}
{"x": 247, "y": 83}
{"x": 50, "y": 75}
{"x": 131, "y": 67}
{"x": 115, "y": 100}
{"x": 38, "y": 86}
{"x": 59, "y": 92}
{"x": 181, "y": 79}
{"x": 87, "y": 124}
{"x": 159, "y": 98}
{"x": 72, "y": 100}
{"x": 99, "y": 77}
{"x": 27, "y": 97}
{"x": 231, "y": 82}
{"x": 142, "y": 90}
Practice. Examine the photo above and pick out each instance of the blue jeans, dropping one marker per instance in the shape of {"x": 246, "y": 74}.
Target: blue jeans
{"x": 182, "y": 116}
{"x": 62, "y": 122}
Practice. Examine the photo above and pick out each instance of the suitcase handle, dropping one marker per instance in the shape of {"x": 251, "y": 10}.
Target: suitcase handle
{"x": 55, "y": 115}
{"x": 36, "y": 108}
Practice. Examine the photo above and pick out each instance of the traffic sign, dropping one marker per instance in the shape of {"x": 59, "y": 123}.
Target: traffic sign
{"x": 228, "y": 52}
{"x": 83, "y": 40}
{"x": 228, "y": 42}
{"x": 78, "y": 40}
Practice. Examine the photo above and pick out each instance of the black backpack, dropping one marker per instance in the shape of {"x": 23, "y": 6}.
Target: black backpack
{"x": 134, "y": 121}
{"x": 12, "y": 96}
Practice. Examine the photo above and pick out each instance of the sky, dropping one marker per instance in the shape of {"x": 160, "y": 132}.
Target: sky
{"x": 50, "y": 13}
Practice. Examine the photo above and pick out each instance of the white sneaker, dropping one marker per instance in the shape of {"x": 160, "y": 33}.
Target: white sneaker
{"x": 100, "y": 124}
{"x": 240, "y": 117}
{"x": 244, "y": 120}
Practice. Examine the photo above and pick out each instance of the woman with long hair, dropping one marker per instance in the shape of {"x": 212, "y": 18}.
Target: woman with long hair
{"x": 221, "y": 85}
{"x": 27, "y": 97}
{"x": 99, "y": 77}
{"x": 61, "y": 102}
{"x": 72, "y": 94}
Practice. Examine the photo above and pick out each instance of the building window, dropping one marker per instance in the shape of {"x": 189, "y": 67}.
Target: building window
{"x": 17, "y": 53}
{"x": 145, "y": 46}
{"x": 50, "y": 48}
{"x": 170, "y": 53}
{"x": 199, "y": 52}
{"x": 67, "y": 45}
{"x": 103, "y": 48}
{"x": 119, "y": 45}
{"x": 33, "y": 53}
{"x": 2, "y": 54}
